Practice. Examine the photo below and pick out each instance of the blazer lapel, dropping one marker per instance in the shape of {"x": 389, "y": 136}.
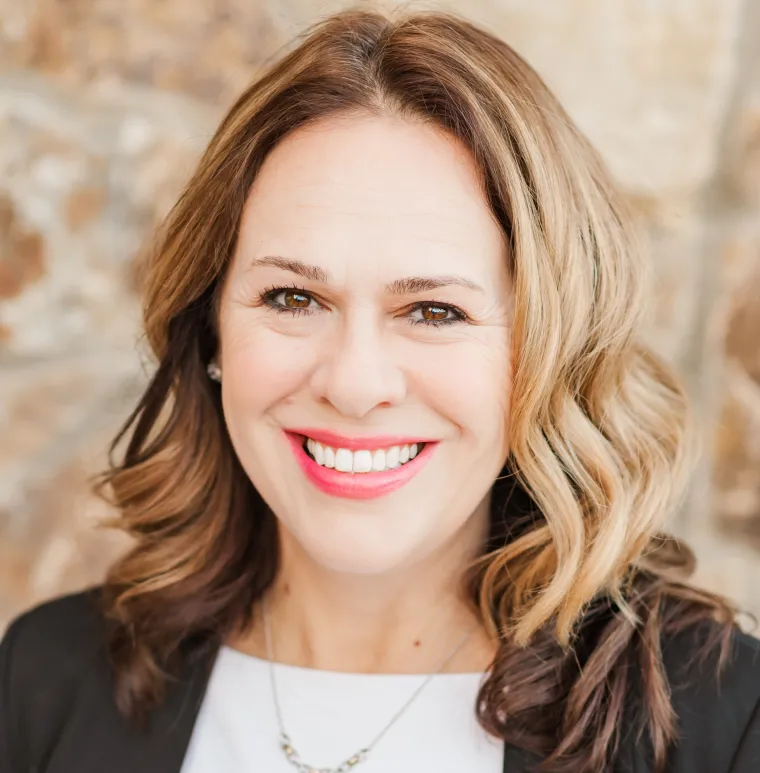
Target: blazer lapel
{"x": 96, "y": 738}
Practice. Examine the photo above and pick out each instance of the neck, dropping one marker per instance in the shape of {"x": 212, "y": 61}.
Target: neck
{"x": 406, "y": 621}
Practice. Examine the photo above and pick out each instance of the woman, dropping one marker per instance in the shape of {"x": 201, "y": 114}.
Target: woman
{"x": 397, "y": 485}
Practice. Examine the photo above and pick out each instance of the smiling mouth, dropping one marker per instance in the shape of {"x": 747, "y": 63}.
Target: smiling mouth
{"x": 363, "y": 461}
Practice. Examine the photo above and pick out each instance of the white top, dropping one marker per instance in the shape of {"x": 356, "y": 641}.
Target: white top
{"x": 329, "y": 716}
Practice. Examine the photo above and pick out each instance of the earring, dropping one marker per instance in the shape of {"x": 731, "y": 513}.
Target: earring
{"x": 214, "y": 372}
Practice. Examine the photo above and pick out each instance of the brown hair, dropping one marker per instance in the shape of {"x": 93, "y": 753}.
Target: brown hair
{"x": 577, "y": 582}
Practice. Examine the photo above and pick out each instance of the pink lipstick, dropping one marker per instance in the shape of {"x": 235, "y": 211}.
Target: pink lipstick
{"x": 358, "y": 485}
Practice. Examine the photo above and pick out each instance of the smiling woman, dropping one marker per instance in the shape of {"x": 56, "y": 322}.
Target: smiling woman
{"x": 402, "y": 426}
{"x": 398, "y": 324}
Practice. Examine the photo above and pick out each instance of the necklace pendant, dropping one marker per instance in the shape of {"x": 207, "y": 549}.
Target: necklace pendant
{"x": 351, "y": 762}
{"x": 287, "y": 747}
{"x": 295, "y": 760}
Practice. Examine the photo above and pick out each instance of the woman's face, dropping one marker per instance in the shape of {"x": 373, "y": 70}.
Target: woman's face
{"x": 367, "y": 307}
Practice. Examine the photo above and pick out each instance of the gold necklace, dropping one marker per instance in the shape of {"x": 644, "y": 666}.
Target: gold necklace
{"x": 351, "y": 762}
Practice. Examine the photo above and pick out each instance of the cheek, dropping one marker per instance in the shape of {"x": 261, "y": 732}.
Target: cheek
{"x": 469, "y": 382}
{"x": 261, "y": 368}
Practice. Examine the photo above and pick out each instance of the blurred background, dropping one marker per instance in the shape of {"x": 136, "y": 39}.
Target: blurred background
{"x": 106, "y": 104}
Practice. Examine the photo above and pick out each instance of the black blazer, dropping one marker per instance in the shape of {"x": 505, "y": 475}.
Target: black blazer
{"x": 57, "y": 714}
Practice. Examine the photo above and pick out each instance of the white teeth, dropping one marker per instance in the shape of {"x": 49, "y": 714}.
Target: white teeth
{"x": 344, "y": 461}
{"x": 378, "y": 460}
{"x": 361, "y": 461}
{"x": 391, "y": 456}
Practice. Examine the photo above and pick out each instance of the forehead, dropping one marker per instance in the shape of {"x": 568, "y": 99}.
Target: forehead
{"x": 372, "y": 191}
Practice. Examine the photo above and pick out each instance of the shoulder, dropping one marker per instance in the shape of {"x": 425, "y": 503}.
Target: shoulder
{"x": 58, "y": 635}
{"x": 44, "y": 655}
{"x": 716, "y": 703}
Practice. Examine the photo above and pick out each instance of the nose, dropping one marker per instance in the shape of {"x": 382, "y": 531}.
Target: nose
{"x": 358, "y": 371}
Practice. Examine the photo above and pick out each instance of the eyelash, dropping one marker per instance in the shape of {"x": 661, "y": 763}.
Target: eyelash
{"x": 267, "y": 297}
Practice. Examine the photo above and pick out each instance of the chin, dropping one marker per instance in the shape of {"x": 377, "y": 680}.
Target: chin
{"x": 358, "y": 554}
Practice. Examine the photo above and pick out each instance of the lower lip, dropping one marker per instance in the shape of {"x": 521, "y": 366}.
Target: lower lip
{"x": 358, "y": 485}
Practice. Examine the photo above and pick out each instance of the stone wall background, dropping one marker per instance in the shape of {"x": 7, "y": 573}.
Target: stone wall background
{"x": 105, "y": 105}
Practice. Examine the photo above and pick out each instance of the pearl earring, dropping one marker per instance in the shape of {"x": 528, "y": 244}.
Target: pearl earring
{"x": 214, "y": 372}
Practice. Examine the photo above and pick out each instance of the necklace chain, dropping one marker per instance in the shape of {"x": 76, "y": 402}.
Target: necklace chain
{"x": 351, "y": 762}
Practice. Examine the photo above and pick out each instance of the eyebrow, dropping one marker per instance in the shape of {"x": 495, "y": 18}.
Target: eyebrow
{"x": 403, "y": 286}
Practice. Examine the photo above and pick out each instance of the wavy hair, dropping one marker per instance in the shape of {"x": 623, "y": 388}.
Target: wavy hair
{"x": 577, "y": 582}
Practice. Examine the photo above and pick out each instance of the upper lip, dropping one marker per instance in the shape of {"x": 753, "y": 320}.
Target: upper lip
{"x": 358, "y": 442}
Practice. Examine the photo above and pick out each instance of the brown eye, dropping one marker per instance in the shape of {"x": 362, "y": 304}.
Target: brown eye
{"x": 295, "y": 300}
{"x": 433, "y": 313}
{"x": 436, "y": 314}
{"x": 289, "y": 300}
